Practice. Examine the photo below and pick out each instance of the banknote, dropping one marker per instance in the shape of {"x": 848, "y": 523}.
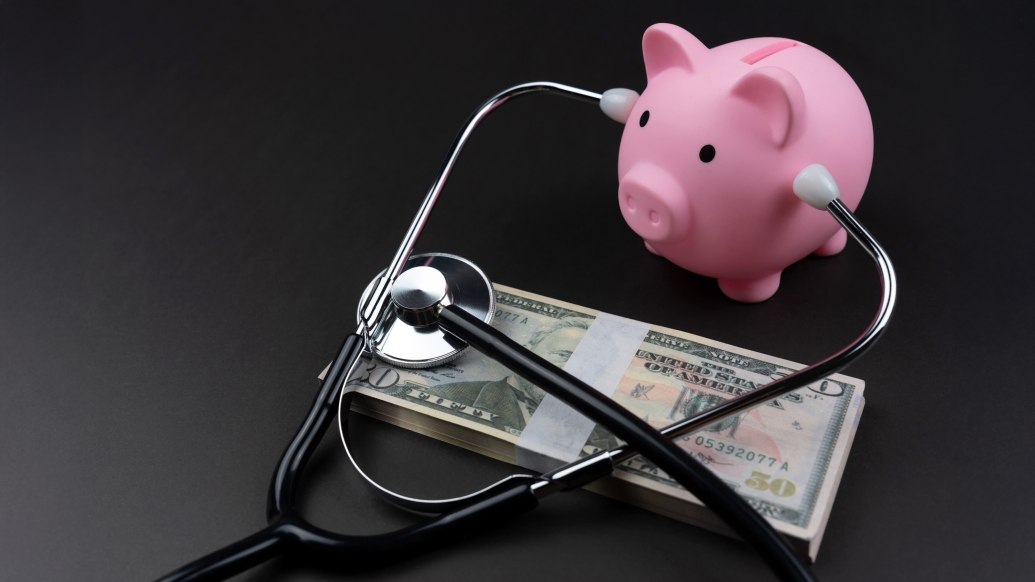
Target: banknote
{"x": 784, "y": 457}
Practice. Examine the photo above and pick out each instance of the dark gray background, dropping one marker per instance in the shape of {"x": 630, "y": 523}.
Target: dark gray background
{"x": 193, "y": 196}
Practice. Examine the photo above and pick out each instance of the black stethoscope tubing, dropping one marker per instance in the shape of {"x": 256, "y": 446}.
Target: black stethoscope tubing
{"x": 289, "y": 532}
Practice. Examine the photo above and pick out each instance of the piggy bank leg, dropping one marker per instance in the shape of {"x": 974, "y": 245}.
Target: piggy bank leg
{"x": 650, "y": 248}
{"x": 751, "y": 290}
{"x": 834, "y": 244}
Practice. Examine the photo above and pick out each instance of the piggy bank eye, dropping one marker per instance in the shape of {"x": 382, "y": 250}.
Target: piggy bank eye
{"x": 644, "y": 118}
{"x": 707, "y": 153}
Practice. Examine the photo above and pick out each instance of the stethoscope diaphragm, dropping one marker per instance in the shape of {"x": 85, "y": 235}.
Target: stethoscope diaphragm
{"x": 409, "y": 336}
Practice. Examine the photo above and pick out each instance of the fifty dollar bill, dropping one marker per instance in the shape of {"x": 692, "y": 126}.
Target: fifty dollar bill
{"x": 784, "y": 457}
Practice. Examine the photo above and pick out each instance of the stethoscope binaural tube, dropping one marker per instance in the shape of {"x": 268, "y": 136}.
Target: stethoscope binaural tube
{"x": 373, "y": 306}
{"x": 646, "y": 440}
{"x": 642, "y": 438}
{"x": 656, "y": 445}
{"x": 289, "y": 532}
{"x": 813, "y": 187}
{"x": 582, "y": 470}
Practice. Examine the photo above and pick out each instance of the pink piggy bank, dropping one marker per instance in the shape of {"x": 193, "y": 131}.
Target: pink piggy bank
{"x": 712, "y": 147}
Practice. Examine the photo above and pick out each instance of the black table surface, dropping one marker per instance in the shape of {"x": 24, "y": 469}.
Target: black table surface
{"x": 193, "y": 196}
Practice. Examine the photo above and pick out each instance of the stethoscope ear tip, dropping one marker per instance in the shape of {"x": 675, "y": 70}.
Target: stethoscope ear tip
{"x": 618, "y": 103}
{"x": 816, "y": 187}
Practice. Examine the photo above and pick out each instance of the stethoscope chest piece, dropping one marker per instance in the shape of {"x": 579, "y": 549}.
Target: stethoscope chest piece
{"x": 402, "y": 318}
{"x": 409, "y": 335}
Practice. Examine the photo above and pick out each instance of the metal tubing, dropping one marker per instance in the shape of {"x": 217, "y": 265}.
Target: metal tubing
{"x": 594, "y": 466}
{"x": 288, "y": 532}
{"x": 599, "y": 463}
{"x": 738, "y": 514}
{"x": 416, "y": 505}
{"x": 803, "y": 377}
{"x": 821, "y": 369}
{"x": 375, "y": 305}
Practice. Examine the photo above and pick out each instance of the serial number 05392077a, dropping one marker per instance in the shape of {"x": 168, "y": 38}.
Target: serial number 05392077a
{"x": 740, "y": 453}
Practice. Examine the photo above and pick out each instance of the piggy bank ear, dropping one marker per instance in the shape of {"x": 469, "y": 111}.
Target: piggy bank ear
{"x": 780, "y": 98}
{"x": 666, "y": 46}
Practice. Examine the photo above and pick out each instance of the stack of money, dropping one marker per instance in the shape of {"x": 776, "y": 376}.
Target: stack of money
{"x": 785, "y": 457}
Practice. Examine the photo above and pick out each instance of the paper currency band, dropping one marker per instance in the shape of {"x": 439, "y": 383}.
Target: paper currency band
{"x": 556, "y": 433}
{"x": 595, "y": 466}
{"x": 731, "y": 508}
{"x": 831, "y": 365}
{"x": 288, "y": 530}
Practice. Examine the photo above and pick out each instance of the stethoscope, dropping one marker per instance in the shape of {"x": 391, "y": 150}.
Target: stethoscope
{"x": 426, "y": 310}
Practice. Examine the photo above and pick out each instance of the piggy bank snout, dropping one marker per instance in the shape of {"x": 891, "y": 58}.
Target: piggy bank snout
{"x": 654, "y": 204}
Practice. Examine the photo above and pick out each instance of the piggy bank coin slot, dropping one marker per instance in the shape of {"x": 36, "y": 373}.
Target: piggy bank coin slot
{"x": 768, "y": 51}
